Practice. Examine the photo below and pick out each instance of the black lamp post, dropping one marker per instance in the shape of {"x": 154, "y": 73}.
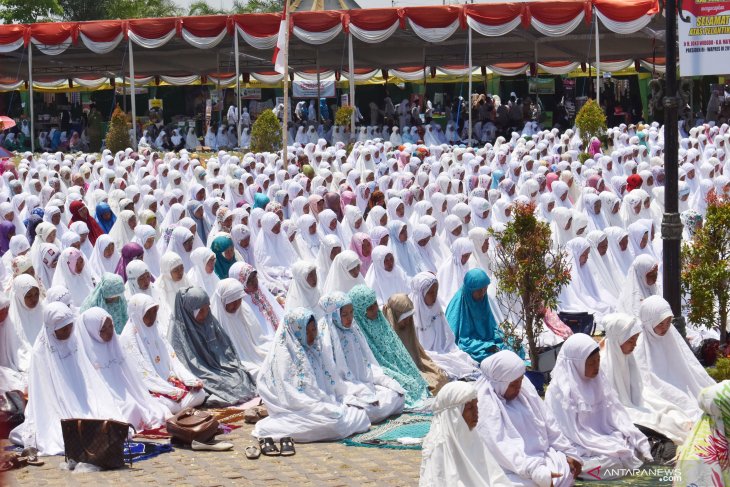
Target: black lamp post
{"x": 671, "y": 224}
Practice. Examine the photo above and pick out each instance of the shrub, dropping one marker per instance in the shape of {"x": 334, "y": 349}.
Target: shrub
{"x": 591, "y": 121}
{"x": 117, "y": 137}
{"x": 266, "y": 133}
{"x": 721, "y": 370}
{"x": 344, "y": 116}
{"x": 706, "y": 268}
{"x": 530, "y": 274}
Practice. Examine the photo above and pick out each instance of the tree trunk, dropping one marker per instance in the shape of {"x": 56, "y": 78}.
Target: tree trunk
{"x": 723, "y": 312}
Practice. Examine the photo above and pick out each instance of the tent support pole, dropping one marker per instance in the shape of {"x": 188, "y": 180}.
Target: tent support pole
{"x": 134, "y": 89}
{"x": 285, "y": 115}
{"x": 598, "y": 64}
{"x": 319, "y": 89}
{"x": 238, "y": 87}
{"x": 471, "y": 68}
{"x": 351, "y": 67}
{"x": 30, "y": 97}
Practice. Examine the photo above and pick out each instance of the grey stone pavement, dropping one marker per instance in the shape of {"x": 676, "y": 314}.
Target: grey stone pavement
{"x": 315, "y": 464}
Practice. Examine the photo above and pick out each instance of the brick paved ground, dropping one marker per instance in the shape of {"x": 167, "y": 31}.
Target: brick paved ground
{"x": 315, "y": 464}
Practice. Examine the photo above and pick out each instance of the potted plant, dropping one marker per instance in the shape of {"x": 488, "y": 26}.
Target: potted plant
{"x": 117, "y": 137}
{"x": 266, "y": 133}
{"x": 344, "y": 116}
{"x": 530, "y": 275}
{"x": 591, "y": 122}
{"x": 706, "y": 268}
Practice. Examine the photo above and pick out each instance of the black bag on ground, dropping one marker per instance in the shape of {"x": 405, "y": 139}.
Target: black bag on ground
{"x": 578, "y": 322}
{"x": 12, "y": 411}
{"x": 99, "y": 442}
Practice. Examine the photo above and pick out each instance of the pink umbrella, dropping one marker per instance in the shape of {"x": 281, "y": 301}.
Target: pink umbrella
{"x": 7, "y": 122}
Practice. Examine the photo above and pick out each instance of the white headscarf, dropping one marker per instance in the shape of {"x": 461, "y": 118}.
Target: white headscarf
{"x": 142, "y": 233}
{"x": 62, "y": 384}
{"x": 81, "y": 284}
{"x": 588, "y": 412}
{"x": 14, "y": 349}
{"x": 28, "y": 322}
{"x": 301, "y": 294}
{"x": 683, "y": 371}
{"x": 242, "y": 327}
{"x": 384, "y": 283}
{"x": 121, "y": 233}
{"x": 48, "y": 259}
{"x": 323, "y": 256}
{"x": 179, "y": 236}
{"x": 136, "y": 269}
{"x": 649, "y": 401}
{"x": 452, "y": 271}
{"x": 339, "y": 277}
{"x": 635, "y": 288}
{"x": 273, "y": 250}
{"x": 97, "y": 262}
{"x": 166, "y": 289}
{"x": 131, "y": 396}
{"x": 452, "y": 454}
{"x": 198, "y": 275}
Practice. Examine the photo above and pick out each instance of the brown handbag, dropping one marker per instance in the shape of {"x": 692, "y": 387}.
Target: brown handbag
{"x": 99, "y": 442}
{"x": 192, "y": 425}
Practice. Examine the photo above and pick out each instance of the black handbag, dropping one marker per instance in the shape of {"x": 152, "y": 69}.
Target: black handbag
{"x": 12, "y": 411}
{"x": 578, "y": 322}
{"x": 99, "y": 442}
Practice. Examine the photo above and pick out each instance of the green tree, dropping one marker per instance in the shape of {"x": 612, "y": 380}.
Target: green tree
{"x": 266, "y": 133}
{"x": 257, "y": 6}
{"x": 117, "y": 138}
{"x": 591, "y": 122}
{"x": 82, "y": 10}
{"x": 136, "y": 9}
{"x": 28, "y": 11}
{"x": 201, "y": 7}
{"x": 530, "y": 275}
{"x": 706, "y": 268}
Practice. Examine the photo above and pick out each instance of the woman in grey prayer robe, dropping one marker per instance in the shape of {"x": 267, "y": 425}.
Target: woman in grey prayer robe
{"x": 204, "y": 348}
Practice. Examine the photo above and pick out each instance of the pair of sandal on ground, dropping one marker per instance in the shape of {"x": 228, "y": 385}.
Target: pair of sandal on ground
{"x": 11, "y": 460}
{"x": 267, "y": 447}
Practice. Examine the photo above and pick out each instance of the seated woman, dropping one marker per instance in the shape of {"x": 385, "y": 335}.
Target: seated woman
{"x": 73, "y": 274}
{"x": 434, "y": 334}
{"x": 454, "y": 267}
{"x": 102, "y": 347}
{"x": 518, "y": 429}
{"x": 139, "y": 280}
{"x": 238, "y": 321}
{"x": 204, "y": 348}
{"x": 344, "y": 273}
{"x": 109, "y": 296}
{"x": 387, "y": 348}
{"x": 161, "y": 372}
{"x": 662, "y": 351}
{"x": 588, "y": 412}
{"x": 303, "y": 291}
{"x": 203, "y": 272}
{"x": 274, "y": 253}
{"x": 365, "y": 383}
{"x": 26, "y": 308}
{"x": 453, "y": 453}
{"x": 656, "y": 407}
{"x": 471, "y": 320}
{"x": 172, "y": 278}
{"x": 642, "y": 281}
{"x": 14, "y": 351}
{"x": 265, "y": 307}
{"x": 385, "y": 277}
{"x": 62, "y": 384}
{"x": 296, "y": 386}
{"x": 399, "y": 311}
{"x": 584, "y": 293}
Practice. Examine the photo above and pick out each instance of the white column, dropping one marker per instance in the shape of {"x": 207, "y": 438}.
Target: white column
{"x": 351, "y": 67}
{"x": 598, "y": 63}
{"x": 133, "y": 88}
{"x": 30, "y": 97}
{"x": 238, "y": 85}
{"x": 471, "y": 68}
{"x": 285, "y": 116}
{"x": 319, "y": 88}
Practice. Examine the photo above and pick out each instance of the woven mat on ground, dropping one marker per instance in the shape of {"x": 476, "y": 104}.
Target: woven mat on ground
{"x": 406, "y": 432}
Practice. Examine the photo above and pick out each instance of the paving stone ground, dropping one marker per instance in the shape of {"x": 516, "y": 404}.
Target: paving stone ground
{"x": 315, "y": 464}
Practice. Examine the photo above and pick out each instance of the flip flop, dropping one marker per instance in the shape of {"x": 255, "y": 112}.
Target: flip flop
{"x": 268, "y": 447}
{"x": 252, "y": 452}
{"x": 287, "y": 447}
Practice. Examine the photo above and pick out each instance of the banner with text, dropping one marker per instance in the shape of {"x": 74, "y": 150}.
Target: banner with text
{"x": 308, "y": 89}
{"x": 704, "y": 41}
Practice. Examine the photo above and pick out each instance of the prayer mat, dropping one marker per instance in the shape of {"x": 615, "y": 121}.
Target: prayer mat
{"x": 406, "y": 432}
{"x": 227, "y": 415}
{"x": 144, "y": 450}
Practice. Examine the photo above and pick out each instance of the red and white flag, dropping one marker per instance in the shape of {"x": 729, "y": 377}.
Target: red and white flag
{"x": 279, "y": 59}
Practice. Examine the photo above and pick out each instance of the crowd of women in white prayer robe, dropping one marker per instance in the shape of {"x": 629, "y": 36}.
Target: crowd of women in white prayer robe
{"x": 269, "y": 246}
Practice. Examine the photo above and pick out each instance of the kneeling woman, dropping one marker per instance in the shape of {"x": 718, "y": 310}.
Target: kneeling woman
{"x": 297, "y": 385}
{"x": 365, "y": 382}
{"x": 517, "y": 428}
{"x": 162, "y": 373}
{"x": 62, "y": 384}
{"x": 205, "y": 349}
{"x": 589, "y": 413}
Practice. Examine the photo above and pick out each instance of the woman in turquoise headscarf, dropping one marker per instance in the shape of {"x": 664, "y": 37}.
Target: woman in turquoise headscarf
{"x": 225, "y": 255}
{"x": 497, "y": 176}
{"x": 260, "y": 200}
{"x": 109, "y": 296}
{"x": 387, "y": 348}
{"x": 105, "y": 217}
{"x": 471, "y": 319}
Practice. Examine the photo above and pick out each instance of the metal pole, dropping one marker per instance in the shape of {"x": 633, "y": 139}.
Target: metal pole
{"x": 238, "y": 87}
{"x": 471, "y": 68}
{"x": 30, "y": 97}
{"x": 351, "y": 67}
{"x": 319, "y": 89}
{"x": 131, "y": 77}
{"x": 221, "y": 102}
{"x": 285, "y": 116}
{"x": 671, "y": 224}
{"x": 598, "y": 63}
